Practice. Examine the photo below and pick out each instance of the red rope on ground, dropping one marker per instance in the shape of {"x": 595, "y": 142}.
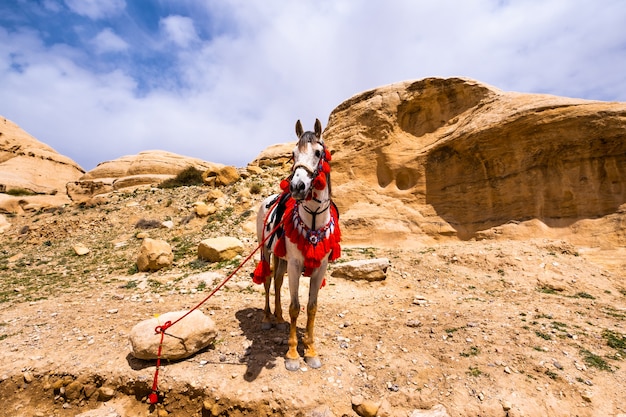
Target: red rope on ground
{"x": 153, "y": 397}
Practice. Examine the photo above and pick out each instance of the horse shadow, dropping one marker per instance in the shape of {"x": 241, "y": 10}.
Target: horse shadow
{"x": 266, "y": 345}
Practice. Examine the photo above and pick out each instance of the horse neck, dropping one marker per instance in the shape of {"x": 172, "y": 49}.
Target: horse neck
{"x": 315, "y": 212}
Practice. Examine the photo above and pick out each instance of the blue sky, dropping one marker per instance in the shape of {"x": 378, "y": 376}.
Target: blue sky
{"x": 221, "y": 80}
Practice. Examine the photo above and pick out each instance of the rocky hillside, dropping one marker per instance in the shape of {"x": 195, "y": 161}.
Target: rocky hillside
{"x": 454, "y": 158}
{"x": 464, "y": 191}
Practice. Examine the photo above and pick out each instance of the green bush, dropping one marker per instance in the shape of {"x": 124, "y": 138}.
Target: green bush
{"x": 189, "y": 176}
{"x": 19, "y": 192}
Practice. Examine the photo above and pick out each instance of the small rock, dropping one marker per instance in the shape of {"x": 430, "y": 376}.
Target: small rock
{"x": 202, "y": 209}
{"x": 73, "y": 390}
{"x": 105, "y": 394}
{"x": 506, "y": 406}
{"x": 587, "y": 396}
{"x": 28, "y": 377}
{"x": 393, "y": 387}
{"x": 321, "y": 411}
{"x": 364, "y": 408}
{"x": 80, "y": 249}
{"x": 420, "y": 300}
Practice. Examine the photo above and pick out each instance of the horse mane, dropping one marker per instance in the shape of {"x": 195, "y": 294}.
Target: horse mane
{"x": 308, "y": 137}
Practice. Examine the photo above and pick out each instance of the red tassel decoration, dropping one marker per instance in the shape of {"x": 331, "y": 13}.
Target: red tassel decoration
{"x": 319, "y": 182}
{"x": 325, "y": 167}
{"x": 280, "y": 250}
{"x": 327, "y": 155}
{"x": 284, "y": 185}
{"x": 261, "y": 272}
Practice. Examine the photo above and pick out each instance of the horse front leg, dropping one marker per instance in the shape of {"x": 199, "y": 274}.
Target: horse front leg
{"x": 292, "y": 358}
{"x": 310, "y": 355}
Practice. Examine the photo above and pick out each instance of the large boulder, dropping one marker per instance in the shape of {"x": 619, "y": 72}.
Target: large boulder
{"x": 433, "y": 159}
{"x": 184, "y": 338}
{"x": 145, "y": 168}
{"x": 154, "y": 254}
{"x": 275, "y": 155}
{"x": 363, "y": 269}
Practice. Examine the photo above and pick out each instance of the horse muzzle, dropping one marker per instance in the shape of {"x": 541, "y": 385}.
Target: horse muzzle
{"x": 299, "y": 185}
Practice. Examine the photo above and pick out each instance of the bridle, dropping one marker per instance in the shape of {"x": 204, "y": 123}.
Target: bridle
{"x": 312, "y": 173}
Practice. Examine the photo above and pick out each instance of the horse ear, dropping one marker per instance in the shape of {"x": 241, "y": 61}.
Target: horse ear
{"x": 318, "y": 128}
{"x": 299, "y": 130}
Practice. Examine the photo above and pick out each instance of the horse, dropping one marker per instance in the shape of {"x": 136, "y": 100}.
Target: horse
{"x": 301, "y": 233}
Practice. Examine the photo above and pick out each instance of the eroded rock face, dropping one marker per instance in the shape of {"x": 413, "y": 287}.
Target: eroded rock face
{"x": 453, "y": 157}
{"x": 149, "y": 167}
{"x": 31, "y": 166}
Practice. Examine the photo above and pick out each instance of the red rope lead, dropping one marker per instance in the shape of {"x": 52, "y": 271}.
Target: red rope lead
{"x": 153, "y": 397}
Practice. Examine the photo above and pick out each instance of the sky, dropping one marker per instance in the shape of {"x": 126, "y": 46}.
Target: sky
{"x": 221, "y": 80}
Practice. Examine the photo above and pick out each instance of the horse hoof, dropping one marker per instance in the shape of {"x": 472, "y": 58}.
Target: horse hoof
{"x": 313, "y": 361}
{"x": 292, "y": 364}
{"x": 266, "y": 326}
{"x": 282, "y": 326}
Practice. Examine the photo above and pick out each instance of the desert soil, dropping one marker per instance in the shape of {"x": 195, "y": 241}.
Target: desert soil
{"x": 483, "y": 328}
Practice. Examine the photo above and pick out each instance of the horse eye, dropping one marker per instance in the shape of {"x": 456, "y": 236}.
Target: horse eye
{"x": 318, "y": 153}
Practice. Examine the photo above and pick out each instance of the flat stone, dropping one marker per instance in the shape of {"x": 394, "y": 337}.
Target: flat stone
{"x": 219, "y": 249}
{"x": 368, "y": 269}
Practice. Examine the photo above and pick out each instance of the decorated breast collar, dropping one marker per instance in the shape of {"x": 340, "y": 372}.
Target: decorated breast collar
{"x": 314, "y": 244}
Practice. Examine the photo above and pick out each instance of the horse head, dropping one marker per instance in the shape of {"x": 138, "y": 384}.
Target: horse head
{"x": 309, "y": 156}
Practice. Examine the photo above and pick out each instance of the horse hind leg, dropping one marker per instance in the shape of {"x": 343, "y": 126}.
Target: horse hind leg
{"x": 280, "y": 266}
{"x": 267, "y": 322}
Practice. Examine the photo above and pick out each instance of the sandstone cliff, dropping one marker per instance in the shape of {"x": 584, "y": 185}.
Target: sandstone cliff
{"x": 30, "y": 165}
{"x": 434, "y": 158}
{"x": 32, "y": 174}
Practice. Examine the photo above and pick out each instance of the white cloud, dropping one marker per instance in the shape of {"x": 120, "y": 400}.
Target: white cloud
{"x": 52, "y": 5}
{"x": 108, "y": 41}
{"x": 179, "y": 29}
{"x": 96, "y": 9}
{"x": 270, "y": 63}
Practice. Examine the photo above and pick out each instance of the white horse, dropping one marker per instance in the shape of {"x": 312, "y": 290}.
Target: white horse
{"x": 305, "y": 232}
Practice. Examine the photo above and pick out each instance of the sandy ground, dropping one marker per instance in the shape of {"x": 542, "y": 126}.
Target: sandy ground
{"x": 482, "y": 328}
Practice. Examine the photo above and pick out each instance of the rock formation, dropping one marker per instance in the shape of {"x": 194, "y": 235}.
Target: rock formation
{"x": 30, "y": 165}
{"x": 149, "y": 167}
{"x": 435, "y": 158}
{"x": 33, "y": 169}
